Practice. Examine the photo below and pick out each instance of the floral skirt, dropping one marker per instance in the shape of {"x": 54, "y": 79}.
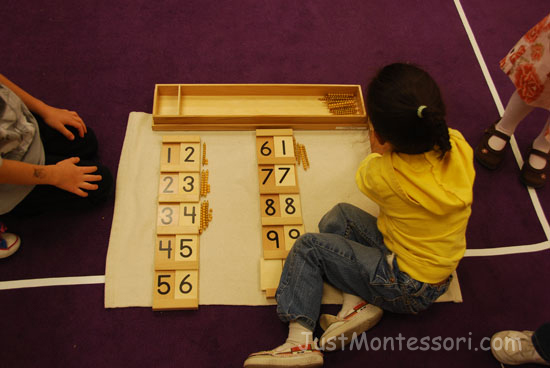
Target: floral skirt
{"x": 528, "y": 65}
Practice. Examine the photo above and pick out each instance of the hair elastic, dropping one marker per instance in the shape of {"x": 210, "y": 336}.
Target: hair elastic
{"x": 419, "y": 110}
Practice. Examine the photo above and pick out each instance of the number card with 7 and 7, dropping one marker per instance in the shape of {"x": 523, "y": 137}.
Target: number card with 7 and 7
{"x": 277, "y": 179}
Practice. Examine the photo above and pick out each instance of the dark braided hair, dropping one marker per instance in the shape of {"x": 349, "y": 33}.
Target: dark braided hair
{"x": 394, "y": 97}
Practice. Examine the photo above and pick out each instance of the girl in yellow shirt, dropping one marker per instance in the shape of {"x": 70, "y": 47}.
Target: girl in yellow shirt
{"x": 421, "y": 175}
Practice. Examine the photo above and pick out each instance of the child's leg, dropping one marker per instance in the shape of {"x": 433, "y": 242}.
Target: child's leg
{"x": 515, "y": 112}
{"x": 353, "y": 224}
{"x": 541, "y": 143}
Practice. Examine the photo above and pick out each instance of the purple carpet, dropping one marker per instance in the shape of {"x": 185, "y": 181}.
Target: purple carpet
{"x": 103, "y": 59}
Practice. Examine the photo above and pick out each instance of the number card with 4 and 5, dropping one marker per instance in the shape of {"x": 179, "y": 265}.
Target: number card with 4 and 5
{"x": 177, "y": 252}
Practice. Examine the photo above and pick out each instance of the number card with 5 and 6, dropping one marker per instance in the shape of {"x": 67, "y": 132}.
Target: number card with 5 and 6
{"x": 176, "y": 289}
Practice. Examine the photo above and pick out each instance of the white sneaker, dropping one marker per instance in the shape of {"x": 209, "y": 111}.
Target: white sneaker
{"x": 303, "y": 356}
{"x": 9, "y": 243}
{"x": 515, "y": 347}
{"x": 340, "y": 331}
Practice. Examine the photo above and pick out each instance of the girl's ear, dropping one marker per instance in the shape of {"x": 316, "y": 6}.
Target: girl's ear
{"x": 380, "y": 139}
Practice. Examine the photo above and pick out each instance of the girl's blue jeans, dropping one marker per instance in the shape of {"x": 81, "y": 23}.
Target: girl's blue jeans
{"x": 349, "y": 254}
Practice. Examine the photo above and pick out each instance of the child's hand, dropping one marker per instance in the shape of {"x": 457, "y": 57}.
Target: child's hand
{"x": 67, "y": 176}
{"x": 59, "y": 118}
{"x": 376, "y": 146}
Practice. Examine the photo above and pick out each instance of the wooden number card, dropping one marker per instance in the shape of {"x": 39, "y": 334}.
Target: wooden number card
{"x": 178, "y": 218}
{"x": 278, "y": 240}
{"x": 180, "y": 153}
{"x": 179, "y": 187}
{"x": 281, "y": 209}
{"x": 174, "y": 289}
{"x": 177, "y": 252}
{"x": 277, "y": 179}
{"x": 275, "y": 146}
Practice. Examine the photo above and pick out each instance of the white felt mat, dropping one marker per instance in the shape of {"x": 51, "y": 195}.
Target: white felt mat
{"x": 230, "y": 249}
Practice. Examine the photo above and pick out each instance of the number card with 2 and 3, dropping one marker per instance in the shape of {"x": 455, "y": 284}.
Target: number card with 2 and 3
{"x": 179, "y": 187}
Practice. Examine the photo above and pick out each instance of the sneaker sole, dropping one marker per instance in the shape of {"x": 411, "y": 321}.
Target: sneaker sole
{"x": 313, "y": 361}
{"x": 12, "y": 248}
{"x": 355, "y": 326}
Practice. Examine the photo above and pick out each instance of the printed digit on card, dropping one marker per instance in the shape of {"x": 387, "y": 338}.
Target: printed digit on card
{"x": 285, "y": 175}
{"x": 168, "y": 214}
{"x": 284, "y": 146}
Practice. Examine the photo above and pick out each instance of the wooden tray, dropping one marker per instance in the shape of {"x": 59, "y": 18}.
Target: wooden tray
{"x": 251, "y": 106}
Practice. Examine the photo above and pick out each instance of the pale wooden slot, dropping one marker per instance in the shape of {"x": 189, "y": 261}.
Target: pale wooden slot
{"x": 181, "y": 138}
{"x": 270, "y": 273}
{"x": 167, "y": 100}
{"x": 273, "y": 132}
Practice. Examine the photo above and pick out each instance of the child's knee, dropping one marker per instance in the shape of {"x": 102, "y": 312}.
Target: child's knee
{"x": 304, "y": 244}
{"x": 334, "y": 220}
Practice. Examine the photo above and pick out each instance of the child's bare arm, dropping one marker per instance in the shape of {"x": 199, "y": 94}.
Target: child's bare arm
{"x": 54, "y": 117}
{"x": 65, "y": 175}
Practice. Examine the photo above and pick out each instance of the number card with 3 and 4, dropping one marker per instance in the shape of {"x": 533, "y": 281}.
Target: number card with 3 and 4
{"x": 178, "y": 218}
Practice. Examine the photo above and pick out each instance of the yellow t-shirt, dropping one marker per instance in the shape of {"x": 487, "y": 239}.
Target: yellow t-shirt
{"x": 425, "y": 203}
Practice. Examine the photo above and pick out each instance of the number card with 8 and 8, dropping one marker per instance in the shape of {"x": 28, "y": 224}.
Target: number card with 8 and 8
{"x": 280, "y": 209}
